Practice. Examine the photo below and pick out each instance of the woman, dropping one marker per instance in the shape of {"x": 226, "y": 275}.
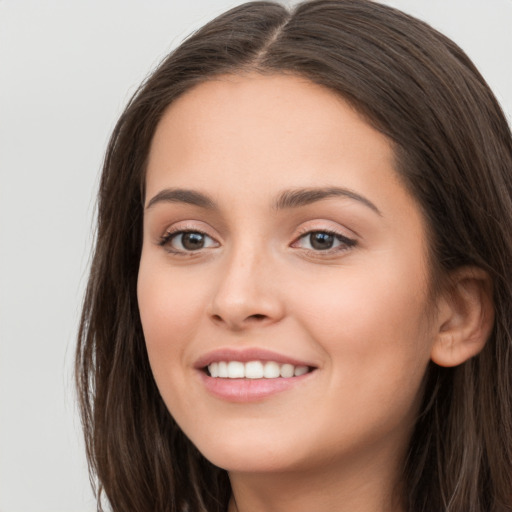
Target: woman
{"x": 300, "y": 294}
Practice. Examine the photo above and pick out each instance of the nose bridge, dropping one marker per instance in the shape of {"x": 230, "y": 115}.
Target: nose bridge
{"x": 245, "y": 293}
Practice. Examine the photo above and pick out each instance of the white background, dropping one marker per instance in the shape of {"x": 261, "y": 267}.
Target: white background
{"x": 66, "y": 70}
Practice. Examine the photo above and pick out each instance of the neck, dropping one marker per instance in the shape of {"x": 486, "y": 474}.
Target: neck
{"x": 365, "y": 486}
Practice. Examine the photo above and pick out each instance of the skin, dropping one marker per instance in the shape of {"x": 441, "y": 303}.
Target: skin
{"x": 357, "y": 313}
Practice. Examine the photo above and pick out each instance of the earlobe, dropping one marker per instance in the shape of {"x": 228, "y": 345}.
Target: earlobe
{"x": 465, "y": 317}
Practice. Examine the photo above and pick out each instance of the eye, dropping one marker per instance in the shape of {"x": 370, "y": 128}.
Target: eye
{"x": 187, "y": 241}
{"x": 324, "y": 241}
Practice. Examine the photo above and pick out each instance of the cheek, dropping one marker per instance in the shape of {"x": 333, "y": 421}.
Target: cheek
{"x": 376, "y": 347}
{"x": 371, "y": 323}
{"x": 170, "y": 309}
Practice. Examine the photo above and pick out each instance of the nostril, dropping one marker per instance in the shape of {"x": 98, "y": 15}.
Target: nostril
{"x": 237, "y": 322}
{"x": 257, "y": 317}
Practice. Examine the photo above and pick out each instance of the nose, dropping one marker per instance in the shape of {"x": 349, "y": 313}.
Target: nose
{"x": 247, "y": 293}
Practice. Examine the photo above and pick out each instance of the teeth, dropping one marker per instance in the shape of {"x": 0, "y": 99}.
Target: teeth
{"x": 223, "y": 369}
{"x": 214, "y": 369}
{"x": 287, "y": 370}
{"x": 236, "y": 370}
{"x": 300, "y": 370}
{"x": 255, "y": 370}
{"x": 271, "y": 370}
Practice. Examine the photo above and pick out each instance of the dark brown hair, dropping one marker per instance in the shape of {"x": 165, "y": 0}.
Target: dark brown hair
{"x": 453, "y": 150}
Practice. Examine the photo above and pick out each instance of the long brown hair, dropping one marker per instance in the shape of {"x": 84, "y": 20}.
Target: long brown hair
{"x": 453, "y": 151}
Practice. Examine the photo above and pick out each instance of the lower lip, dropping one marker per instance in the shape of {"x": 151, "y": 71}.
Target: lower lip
{"x": 249, "y": 390}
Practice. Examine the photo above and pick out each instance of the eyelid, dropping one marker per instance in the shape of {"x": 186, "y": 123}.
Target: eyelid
{"x": 326, "y": 226}
{"x": 181, "y": 228}
{"x": 345, "y": 242}
{"x": 187, "y": 225}
{"x": 169, "y": 235}
{"x": 342, "y": 238}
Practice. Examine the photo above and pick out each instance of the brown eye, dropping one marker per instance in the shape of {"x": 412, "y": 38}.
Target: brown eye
{"x": 324, "y": 241}
{"x": 192, "y": 241}
{"x": 321, "y": 241}
{"x": 187, "y": 241}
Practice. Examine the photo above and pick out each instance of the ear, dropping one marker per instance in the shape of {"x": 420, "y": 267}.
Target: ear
{"x": 465, "y": 317}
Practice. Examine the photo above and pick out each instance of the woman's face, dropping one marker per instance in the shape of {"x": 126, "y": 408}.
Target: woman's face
{"x": 279, "y": 240}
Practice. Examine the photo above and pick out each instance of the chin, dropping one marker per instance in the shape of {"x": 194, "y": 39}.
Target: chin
{"x": 251, "y": 462}
{"x": 251, "y": 455}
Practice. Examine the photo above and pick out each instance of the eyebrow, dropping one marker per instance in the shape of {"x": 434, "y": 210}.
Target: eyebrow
{"x": 180, "y": 195}
{"x": 305, "y": 196}
{"x": 287, "y": 199}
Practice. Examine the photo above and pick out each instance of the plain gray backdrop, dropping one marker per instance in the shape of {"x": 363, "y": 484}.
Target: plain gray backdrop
{"x": 67, "y": 68}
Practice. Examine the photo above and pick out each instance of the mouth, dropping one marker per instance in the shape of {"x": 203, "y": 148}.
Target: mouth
{"x": 255, "y": 370}
{"x": 251, "y": 374}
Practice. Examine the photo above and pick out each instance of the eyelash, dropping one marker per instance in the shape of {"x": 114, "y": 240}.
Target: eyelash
{"x": 167, "y": 238}
{"x": 345, "y": 242}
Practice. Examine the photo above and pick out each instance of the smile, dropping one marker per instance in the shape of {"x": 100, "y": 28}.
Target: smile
{"x": 251, "y": 374}
{"x": 255, "y": 370}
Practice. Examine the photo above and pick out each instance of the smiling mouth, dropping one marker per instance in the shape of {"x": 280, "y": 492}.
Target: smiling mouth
{"x": 255, "y": 370}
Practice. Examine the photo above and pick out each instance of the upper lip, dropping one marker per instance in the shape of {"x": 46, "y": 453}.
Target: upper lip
{"x": 245, "y": 355}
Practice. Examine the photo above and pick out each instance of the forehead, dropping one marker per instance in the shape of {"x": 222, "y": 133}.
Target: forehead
{"x": 276, "y": 127}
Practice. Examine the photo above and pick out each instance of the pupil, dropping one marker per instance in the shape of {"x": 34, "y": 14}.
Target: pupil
{"x": 321, "y": 241}
{"x": 192, "y": 241}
